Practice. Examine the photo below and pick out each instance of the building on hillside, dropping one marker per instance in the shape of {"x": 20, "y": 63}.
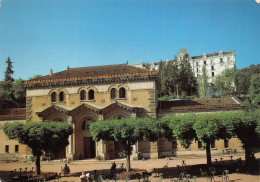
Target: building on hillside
{"x": 84, "y": 95}
{"x": 10, "y": 149}
{"x": 215, "y": 63}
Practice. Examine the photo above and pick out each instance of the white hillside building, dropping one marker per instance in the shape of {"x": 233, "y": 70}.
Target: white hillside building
{"x": 215, "y": 63}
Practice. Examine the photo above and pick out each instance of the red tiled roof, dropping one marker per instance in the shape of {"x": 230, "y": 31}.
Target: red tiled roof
{"x": 199, "y": 104}
{"x": 106, "y": 71}
{"x": 12, "y": 114}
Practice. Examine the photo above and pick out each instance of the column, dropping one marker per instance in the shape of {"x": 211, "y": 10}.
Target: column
{"x": 70, "y": 140}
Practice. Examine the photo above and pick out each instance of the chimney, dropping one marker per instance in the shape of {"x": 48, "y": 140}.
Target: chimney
{"x": 68, "y": 67}
{"x": 126, "y": 62}
{"x": 51, "y": 72}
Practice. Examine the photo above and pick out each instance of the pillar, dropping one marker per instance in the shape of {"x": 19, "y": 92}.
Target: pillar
{"x": 70, "y": 140}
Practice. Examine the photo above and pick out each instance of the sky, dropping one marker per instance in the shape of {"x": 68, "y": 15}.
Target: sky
{"x": 39, "y": 35}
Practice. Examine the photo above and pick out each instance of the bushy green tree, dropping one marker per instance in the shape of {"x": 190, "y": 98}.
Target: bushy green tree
{"x": 127, "y": 131}
{"x": 203, "y": 83}
{"x": 40, "y": 136}
{"x": 225, "y": 82}
{"x": 254, "y": 90}
{"x": 19, "y": 93}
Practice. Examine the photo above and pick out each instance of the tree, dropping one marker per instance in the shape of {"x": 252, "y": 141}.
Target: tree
{"x": 126, "y": 131}
{"x": 225, "y": 82}
{"x": 40, "y": 136}
{"x": 254, "y": 90}
{"x": 245, "y": 126}
{"x": 19, "y": 93}
{"x": 210, "y": 127}
{"x": 203, "y": 83}
{"x": 35, "y": 76}
{"x": 178, "y": 127}
{"x": 188, "y": 82}
{"x": 9, "y": 71}
{"x": 203, "y": 127}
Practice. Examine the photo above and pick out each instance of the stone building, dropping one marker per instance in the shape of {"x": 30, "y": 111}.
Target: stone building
{"x": 215, "y": 63}
{"x": 84, "y": 95}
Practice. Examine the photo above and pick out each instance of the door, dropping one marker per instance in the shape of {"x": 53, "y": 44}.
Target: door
{"x": 89, "y": 148}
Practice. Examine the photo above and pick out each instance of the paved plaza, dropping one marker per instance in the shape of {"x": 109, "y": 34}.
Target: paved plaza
{"x": 103, "y": 167}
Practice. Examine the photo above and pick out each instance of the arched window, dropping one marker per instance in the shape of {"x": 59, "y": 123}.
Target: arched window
{"x": 61, "y": 96}
{"x": 122, "y": 92}
{"x": 82, "y": 95}
{"x": 91, "y": 95}
{"x": 113, "y": 93}
{"x": 53, "y": 97}
{"x": 85, "y": 124}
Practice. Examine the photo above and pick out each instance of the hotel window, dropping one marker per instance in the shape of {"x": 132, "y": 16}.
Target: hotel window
{"x": 7, "y": 149}
{"x": 82, "y": 95}
{"x": 212, "y": 144}
{"x": 16, "y": 148}
{"x": 53, "y": 97}
{"x": 212, "y": 74}
{"x": 61, "y": 96}
{"x": 113, "y": 93}
{"x": 122, "y": 92}
{"x": 226, "y": 143}
{"x": 91, "y": 94}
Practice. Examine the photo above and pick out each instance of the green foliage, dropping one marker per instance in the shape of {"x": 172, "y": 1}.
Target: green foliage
{"x": 9, "y": 71}
{"x": 203, "y": 83}
{"x": 177, "y": 79}
{"x": 40, "y": 136}
{"x": 19, "y": 93}
{"x": 224, "y": 82}
{"x": 127, "y": 131}
{"x": 181, "y": 127}
{"x": 254, "y": 90}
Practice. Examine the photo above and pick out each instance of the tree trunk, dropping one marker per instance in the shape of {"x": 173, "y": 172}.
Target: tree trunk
{"x": 208, "y": 154}
{"x": 128, "y": 166}
{"x": 37, "y": 165}
{"x": 247, "y": 156}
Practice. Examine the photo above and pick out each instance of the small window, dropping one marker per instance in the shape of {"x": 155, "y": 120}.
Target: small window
{"x": 221, "y": 60}
{"x": 113, "y": 93}
{"x": 213, "y": 144}
{"x": 122, "y": 92}
{"x": 7, "y": 149}
{"x": 91, "y": 95}
{"x": 53, "y": 97}
{"x": 212, "y": 74}
{"x": 174, "y": 144}
{"x": 61, "y": 96}
{"x": 197, "y": 64}
{"x": 200, "y": 145}
{"x": 197, "y": 70}
{"x": 82, "y": 95}
{"x": 86, "y": 124}
{"x": 16, "y": 148}
{"x": 212, "y": 67}
{"x": 205, "y": 62}
{"x": 226, "y": 143}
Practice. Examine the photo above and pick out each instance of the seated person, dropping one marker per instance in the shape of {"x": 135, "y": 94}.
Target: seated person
{"x": 66, "y": 170}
